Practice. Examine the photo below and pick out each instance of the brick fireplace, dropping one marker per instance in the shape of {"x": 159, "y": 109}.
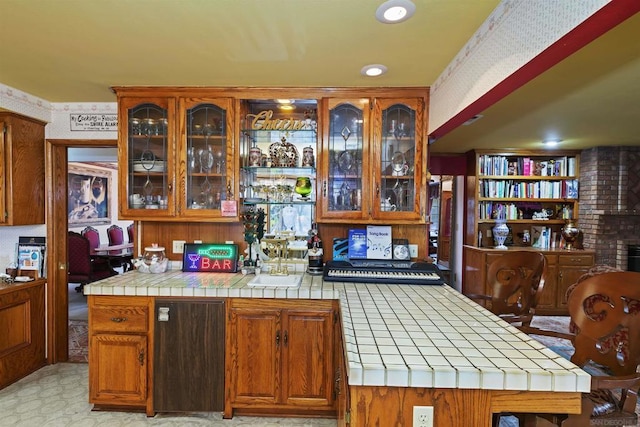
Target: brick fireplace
{"x": 610, "y": 202}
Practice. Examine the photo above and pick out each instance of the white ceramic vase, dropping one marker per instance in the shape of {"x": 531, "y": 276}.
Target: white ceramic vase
{"x": 500, "y": 233}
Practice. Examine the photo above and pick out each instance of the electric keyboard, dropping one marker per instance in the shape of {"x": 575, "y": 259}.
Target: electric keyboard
{"x": 380, "y": 271}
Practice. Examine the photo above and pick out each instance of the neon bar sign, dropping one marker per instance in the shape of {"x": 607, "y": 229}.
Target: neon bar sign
{"x": 210, "y": 257}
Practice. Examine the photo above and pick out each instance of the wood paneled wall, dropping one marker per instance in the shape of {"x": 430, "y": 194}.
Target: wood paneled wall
{"x": 164, "y": 233}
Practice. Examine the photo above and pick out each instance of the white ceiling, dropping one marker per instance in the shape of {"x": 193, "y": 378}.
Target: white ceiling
{"x": 75, "y": 50}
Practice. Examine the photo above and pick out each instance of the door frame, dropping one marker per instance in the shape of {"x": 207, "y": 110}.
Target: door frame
{"x": 56, "y": 172}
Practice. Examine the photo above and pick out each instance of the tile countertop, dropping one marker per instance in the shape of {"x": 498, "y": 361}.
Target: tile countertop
{"x": 395, "y": 335}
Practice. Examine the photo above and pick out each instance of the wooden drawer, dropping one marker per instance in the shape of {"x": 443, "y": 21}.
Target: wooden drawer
{"x": 578, "y": 260}
{"x": 119, "y": 318}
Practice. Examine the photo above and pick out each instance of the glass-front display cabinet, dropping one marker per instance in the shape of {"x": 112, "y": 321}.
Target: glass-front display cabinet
{"x": 345, "y": 162}
{"x": 398, "y": 173}
{"x": 180, "y": 159}
{"x": 372, "y": 166}
{"x": 278, "y": 163}
{"x": 149, "y": 183}
{"x": 206, "y": 150}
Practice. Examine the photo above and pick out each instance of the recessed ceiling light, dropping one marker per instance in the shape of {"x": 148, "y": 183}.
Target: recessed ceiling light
{"x": 394, "y": 11}
{"x": 284, "y": 101}
{"x": 551, "y": 142}
{"x": 373, "y": 70}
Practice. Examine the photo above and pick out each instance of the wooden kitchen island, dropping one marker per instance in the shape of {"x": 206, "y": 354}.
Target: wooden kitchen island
{"x": 398, "y": 346}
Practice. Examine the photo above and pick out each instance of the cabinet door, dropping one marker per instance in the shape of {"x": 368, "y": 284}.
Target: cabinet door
{"x": 3, "y": 181}
{"x": 571, "y": 267}
{"x": 118, "y": 369}
{"x": 206, "y": 157}
{"x": 344, "y": 161}
{"x": 146, "y": 152}
{"x": 189, "y": 356}
{"x": 398, "y": 159}
{"x": 255, "y": 339}
{"x": 307, "y": 374}
{"x": 21, "y": 190}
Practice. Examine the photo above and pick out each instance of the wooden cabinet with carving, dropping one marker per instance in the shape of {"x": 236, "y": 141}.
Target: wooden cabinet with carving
{"x": 280, "y": 357}
{"x": 178, "y": 157}
{"x": 373, "y": 160}
{"x": 119, "y": 358}
{"x": 21, "y": 170}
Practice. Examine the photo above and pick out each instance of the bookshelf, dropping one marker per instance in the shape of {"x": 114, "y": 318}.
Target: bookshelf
{"x": 535, "y": 192}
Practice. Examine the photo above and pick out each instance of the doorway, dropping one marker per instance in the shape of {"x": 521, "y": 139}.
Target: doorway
{"x": 57, "y": 226}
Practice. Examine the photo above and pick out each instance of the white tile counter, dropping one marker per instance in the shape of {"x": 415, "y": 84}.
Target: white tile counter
{"x": 395, "y": 335}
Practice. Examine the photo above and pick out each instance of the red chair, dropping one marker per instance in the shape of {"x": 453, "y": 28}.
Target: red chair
{"x": 82, "y": 268}
{"x": 131, "y": 232}
{"x": 93, "y": 235}
{"x": 119, "y": 258}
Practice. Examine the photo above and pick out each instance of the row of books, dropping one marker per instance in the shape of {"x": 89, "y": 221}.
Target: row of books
{"x": 496, "y": 189}
{"x": 512, "y": 211}
{"x": 545, "y": 238}
{"x": 526, "y": 166}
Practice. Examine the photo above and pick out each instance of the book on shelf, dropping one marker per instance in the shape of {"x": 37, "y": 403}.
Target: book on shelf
{"x": 571, "y": 166}
{"x": 571, "y": 188}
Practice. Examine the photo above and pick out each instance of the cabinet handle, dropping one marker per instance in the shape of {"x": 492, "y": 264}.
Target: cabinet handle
{"x": 277, "y": 338}
{"x": 141, "y": 357}
{"x": 377, "y": 189}
{"x": 286, "y": 337}
{"x": 229, "y": 192}
{"x": 324, "y": 189}
{"x": 170, "y": 188}
{"x": 118, "y": 319}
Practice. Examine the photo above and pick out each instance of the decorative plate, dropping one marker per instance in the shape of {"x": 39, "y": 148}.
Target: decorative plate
{"x": 283, "y": 154}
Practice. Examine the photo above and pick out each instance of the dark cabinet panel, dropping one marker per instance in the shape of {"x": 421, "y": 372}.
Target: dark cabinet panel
{"x": 189, "y": 355}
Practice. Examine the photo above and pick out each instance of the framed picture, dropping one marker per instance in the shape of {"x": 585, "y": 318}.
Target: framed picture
{"x": 88, "y": 196}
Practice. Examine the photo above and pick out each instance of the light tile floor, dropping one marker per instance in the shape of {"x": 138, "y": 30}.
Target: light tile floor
{"x": 56, "y": 396}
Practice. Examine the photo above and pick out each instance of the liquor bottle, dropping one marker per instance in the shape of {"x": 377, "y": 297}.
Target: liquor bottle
{"x": 314, "y": 251}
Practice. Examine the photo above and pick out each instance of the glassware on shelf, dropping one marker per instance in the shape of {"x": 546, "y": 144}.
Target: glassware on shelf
{"x": 303, "y": 187}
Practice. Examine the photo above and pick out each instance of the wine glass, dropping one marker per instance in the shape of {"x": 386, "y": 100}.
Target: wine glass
{"x": 206, "y": 160}
{"x": 193, "y": 258}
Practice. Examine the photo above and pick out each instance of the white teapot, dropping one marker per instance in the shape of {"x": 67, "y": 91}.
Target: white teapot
{"x": 386, "y": 205}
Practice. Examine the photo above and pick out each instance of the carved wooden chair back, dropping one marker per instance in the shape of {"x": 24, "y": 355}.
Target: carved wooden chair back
{"x": 516, "y": 281}
{"x": 605, "y": 311}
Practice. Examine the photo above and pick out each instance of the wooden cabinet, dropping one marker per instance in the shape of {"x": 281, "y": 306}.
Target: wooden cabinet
{"x": 22, "y": 330}
{"x": 119, "y": 358}
{"x": 178, "y": 156}
{"x": 534, "y": 191}
{"x": 373, "y": 160}
{"x": 563, "y": 269}
{"x": 21, "y": 170}
{"x": 281, "y": 357}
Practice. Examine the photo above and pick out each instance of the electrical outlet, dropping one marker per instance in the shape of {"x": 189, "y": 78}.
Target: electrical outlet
{"x": 413, "y": 251}
{"x": 423, "y": 416}
{"x": 178, "y": 246}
